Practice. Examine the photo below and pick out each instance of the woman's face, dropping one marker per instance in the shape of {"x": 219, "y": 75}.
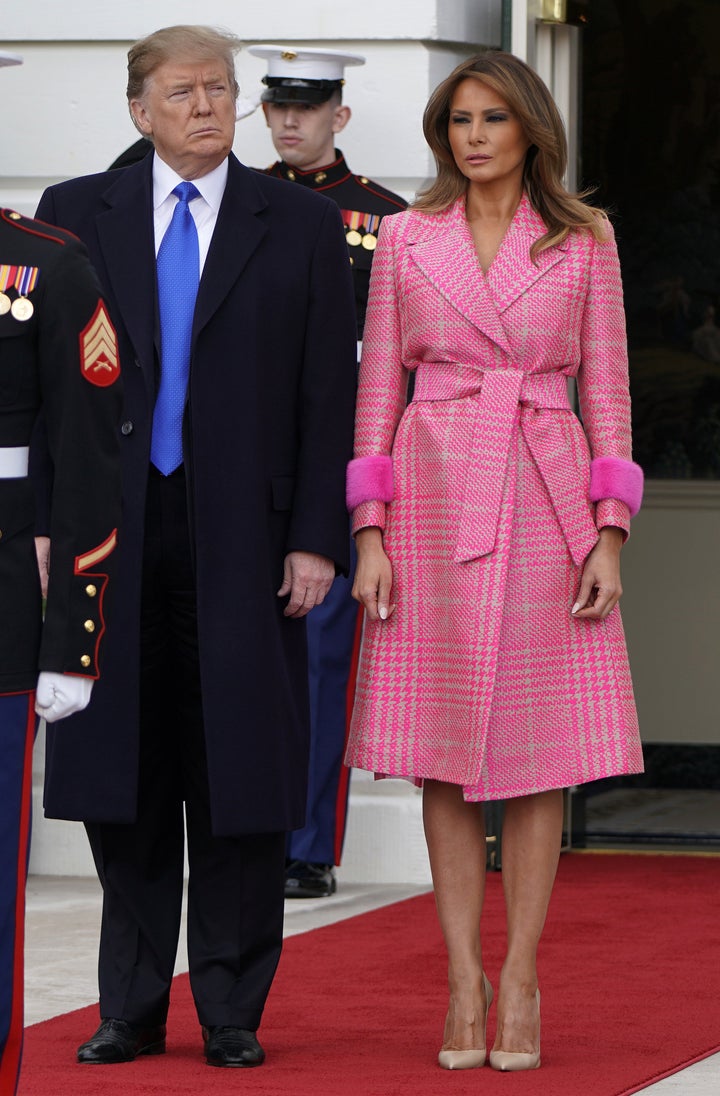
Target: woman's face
{"x": 487, "y": 140}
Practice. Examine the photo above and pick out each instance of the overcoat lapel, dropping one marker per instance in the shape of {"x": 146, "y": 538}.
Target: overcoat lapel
{"x": 126, "y": 237}
{"x": 449, "y": 261}
{"x": 238, "y": 232}
{"x": 513, "y": 272}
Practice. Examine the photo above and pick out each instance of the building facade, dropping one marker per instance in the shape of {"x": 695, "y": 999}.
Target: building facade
{"x": 66, "y": 115}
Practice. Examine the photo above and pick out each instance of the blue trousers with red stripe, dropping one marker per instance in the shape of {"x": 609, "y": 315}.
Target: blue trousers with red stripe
{"x": 17, "y": 734}
{"x": 331, "y": 632}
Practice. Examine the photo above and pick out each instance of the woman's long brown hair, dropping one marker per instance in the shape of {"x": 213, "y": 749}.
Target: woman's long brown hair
{"x": 532, "y": 104}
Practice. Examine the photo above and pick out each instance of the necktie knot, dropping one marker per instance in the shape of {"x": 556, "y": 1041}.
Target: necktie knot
{"x": 185, "y": 192}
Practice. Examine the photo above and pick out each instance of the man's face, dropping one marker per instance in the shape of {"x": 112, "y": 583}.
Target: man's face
{"x": 304, "y": 133}
{"x": 188, "y": 108}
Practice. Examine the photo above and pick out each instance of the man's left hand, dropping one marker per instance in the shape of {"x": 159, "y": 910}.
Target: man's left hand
{"x": 307, "y": 578}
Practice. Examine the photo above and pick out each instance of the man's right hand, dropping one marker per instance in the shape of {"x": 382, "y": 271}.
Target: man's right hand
{"x": 59, "y": 695}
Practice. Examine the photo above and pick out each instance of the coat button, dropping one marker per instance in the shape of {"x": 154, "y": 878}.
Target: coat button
{"x": 127, "y": 428}
{"x": 91, "y": 590}
{"x": 89, "y": 625}
{"x": 85, "y": 660}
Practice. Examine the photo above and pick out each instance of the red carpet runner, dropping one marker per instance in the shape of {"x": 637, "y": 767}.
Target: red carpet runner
{"x": 630, "y": 978}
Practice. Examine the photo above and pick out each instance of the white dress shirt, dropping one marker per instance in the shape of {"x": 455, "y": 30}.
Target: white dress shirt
{"x": 204, "y": 209}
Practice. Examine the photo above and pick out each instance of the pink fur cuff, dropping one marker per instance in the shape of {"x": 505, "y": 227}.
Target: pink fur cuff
{"x": 369, "y": 479}
{"x": 613, "y": 478}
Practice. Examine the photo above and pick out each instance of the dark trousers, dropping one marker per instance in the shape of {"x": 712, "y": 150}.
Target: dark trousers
{"x": 235, "y": 892}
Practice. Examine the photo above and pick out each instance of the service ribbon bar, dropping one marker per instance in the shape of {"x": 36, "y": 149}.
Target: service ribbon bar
{"x": 26, "y": 279}
{"x": 22, "y": 278}
{"x": 353, "y": 219}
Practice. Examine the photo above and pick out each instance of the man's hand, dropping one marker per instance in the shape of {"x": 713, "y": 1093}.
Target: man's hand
{"x": 58, "y": 695}
{"x": 306, "y": 578}
{"x": 42, "y": 551}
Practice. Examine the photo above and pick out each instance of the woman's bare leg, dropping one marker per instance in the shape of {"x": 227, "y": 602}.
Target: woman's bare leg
{"x": 531, "y": 838}
{"x": 455, "y": 835}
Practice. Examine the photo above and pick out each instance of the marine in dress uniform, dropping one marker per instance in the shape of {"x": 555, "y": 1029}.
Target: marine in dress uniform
{"x": 303, "y": 107}
{"x": 58, "y": 356}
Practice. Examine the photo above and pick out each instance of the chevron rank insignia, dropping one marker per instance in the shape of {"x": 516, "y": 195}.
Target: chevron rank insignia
{"x": 98, "y": 350}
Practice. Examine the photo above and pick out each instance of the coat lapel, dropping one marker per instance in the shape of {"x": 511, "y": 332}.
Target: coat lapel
{"x": 238, "y": 232}
{"x": 513, "y": 272}
{"x": 449, "y": 261}
{"x": 126, "y": 236}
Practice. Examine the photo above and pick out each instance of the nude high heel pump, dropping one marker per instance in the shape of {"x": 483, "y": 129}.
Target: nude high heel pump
{"x": 512, "y": 1061}
{"x": 468, "y": 1059}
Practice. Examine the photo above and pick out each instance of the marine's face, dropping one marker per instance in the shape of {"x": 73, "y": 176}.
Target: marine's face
{"x": 188, "y": 108}
{"x": 304, "y": 133}
{"x": 487, "y": 140}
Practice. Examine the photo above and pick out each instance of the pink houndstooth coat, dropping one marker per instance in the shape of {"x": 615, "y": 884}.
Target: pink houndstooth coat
{"x": 481, "y": 677}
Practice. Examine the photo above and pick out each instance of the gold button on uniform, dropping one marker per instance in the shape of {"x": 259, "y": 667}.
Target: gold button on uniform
{"x": 85, "y": 660}
{"x": 14, "y": 216}
{"x": 89, "y": 626}
{"x": 364, "y": 181}
{"x": 91, "y": 590}
{"x": 320, "y": 177}
{"x": 291, "y": 176}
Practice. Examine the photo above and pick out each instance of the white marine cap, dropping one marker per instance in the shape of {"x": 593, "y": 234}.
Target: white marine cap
{"x": 9, "y": 58}
{"x": 300, "y": 75}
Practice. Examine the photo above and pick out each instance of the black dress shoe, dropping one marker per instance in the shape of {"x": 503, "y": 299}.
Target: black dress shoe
{"x": 232, "y": 1046}
{"x": 119, "y": 1041}
{"x": 304, "y": 880}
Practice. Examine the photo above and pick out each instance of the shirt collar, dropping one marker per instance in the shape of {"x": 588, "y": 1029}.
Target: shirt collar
{"x": 210, "y": 186}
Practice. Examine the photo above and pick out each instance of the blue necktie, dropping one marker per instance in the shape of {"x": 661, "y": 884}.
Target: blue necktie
{"x": 178, "y": 275}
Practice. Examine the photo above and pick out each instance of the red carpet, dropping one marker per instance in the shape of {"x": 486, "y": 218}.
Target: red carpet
{"x": 630, "y": 977}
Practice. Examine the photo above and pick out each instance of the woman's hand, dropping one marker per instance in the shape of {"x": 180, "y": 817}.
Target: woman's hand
{"x": 600, "y": 588}
{"x": 373, "y": 575}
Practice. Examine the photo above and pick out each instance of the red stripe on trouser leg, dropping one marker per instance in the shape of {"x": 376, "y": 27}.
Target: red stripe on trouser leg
{"x": 12, "y": 1051}
{"x": 344, "y": 782}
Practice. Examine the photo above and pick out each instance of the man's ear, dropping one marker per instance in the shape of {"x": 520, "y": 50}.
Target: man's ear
{"x": 266, "y": 113}
{"x": 140, "y": 118}
{"x": 341, "y": 117}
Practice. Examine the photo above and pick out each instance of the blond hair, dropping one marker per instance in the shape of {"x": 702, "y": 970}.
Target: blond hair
{"x": 180, "y": 43}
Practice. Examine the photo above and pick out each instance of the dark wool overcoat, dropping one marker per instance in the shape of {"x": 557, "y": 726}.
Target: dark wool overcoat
{"x": 268, "y": 433}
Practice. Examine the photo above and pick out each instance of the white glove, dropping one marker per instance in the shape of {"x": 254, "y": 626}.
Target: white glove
{"x": 58, "y": 695}
{"x": 245, "y": 107}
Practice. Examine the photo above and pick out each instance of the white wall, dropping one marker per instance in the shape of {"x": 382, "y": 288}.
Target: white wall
{"x": 68, "y": 114}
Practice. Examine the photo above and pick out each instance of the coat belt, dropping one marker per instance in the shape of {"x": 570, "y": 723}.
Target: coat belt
{"x": 507, "y": 400}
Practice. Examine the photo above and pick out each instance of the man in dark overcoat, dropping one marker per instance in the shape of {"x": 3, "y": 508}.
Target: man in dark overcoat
{"x": 204, "y": 705}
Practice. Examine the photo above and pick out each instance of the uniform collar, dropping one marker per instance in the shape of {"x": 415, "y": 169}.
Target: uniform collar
{"x": 318, "y": 178}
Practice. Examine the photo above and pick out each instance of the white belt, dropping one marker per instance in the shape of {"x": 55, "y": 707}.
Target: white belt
{"x": 13, "y": 461}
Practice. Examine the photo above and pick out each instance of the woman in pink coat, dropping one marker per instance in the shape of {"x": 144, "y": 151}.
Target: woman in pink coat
{"x": 489, "y": 522}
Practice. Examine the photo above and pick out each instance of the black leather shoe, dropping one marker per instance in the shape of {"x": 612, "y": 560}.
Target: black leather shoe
{"x": 232, "y": 1046}
{"x": 303, "y": 880}
{"x": 119, "y": 1041}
